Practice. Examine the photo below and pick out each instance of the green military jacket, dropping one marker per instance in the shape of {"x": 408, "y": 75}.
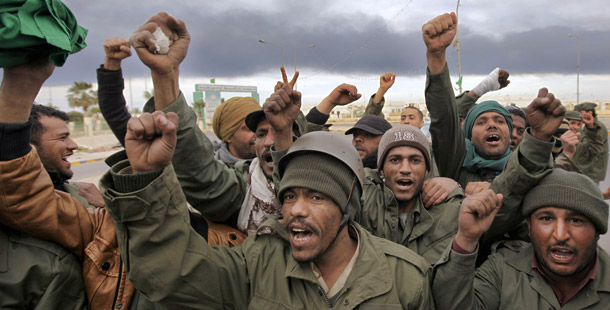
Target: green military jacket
{"x": 506, "y": 281}
{"x": 171, "y": 264}
{"x": 37, "y": 274}
{"x": 431, "y": 229}
{"x": 373, "y": 108}
{"x": 211, "y": 187}
{"x": 591, "y": 156}
{"x": 448, "y": 142}
{"x": 428, "y": 232}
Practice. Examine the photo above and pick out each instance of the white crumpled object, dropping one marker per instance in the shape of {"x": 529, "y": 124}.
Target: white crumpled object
{"x": 161, "y": 42}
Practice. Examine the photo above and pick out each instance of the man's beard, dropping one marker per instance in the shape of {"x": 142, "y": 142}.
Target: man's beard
{"x": 370, "y": 161}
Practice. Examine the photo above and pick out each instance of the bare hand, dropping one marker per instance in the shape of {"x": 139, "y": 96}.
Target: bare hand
{"x": 343, "y": 94}
{"x": 279, "y": 84}
{"x": 436, "y": 190}
{"x": 503, "y": 78}
{"x": 20, "y": 86}
{"x": 588, "y": 119}
{"x": 282, "y": 108}
{"x": 117, "y": 48}
{"x": 386, "y": 81}
{"x": 439, "y": 32}
{"x": 476, "y": 187}
{"x": 91, "y": 193}
{"x": 545, "y": 114}
{"x": 144, "y": 44}
{"x": 569, "y": 141}
{"x": 150, "y": 141}
{"x": 476, "y": 215}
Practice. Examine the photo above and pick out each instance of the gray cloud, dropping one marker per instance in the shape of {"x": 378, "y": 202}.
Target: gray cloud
{"x": 225, "y": 42}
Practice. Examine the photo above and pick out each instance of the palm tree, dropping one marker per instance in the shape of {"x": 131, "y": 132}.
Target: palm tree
{"x": 149, "y": 94}
{"x": 198, "y": 106}
{"x": 82, "y": 95}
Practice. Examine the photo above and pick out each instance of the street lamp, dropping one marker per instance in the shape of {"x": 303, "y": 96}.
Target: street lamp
{"x": 577, "y": 66}
{"x": 295, "y": 54}
{"x": 278, "y": 46}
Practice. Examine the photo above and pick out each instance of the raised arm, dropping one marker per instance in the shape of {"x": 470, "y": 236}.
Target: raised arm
{"x": 110, "y": 86}
{"x": 208, "y": 184}
{"x": 146, "y": 201}
{"x": 29, "y": 201}
{"x": 447, "y": 137}
{"x": 377, "y": 100}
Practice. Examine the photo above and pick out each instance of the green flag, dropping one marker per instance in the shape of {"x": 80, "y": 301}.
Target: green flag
{"x": 213, "y": 81}
{"x": 459, "y": 81}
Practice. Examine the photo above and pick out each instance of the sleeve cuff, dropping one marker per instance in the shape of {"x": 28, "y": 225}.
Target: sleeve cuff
{"x": 15, "y": 140}
{"x": 316, "y": 117}
{"x": 127, "y": 182}
{"x": 534, "y": 153}
{"x": 458, "y": 249}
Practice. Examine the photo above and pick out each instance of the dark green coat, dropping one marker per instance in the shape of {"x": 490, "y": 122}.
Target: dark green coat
{"x": 170, "y": 263}
{"x": 506, "y": 281}
{"x": 37, "y": 274}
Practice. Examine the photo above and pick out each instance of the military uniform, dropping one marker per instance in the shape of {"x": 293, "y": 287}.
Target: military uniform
{"x": 506, "y": 281}
{"x": 259, "y": 274}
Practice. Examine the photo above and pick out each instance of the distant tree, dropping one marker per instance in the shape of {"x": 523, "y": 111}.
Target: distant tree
{"x": 135, "y": 111}
{"x": 149, "y": 94}
{"x": 198, "y": 106}
{"x": 94, "y": 111}
{"x": 75, "y": 117}
{"x": 82, "y": 95}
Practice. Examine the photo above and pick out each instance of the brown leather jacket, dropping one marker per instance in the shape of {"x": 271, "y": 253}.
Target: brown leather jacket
{"x": 30, "y": 204}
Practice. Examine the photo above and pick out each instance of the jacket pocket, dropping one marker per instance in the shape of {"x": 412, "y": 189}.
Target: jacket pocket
{"x": 260, "y": 302}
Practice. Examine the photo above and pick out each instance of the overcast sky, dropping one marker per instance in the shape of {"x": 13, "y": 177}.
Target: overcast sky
{"x": 356, "y": 41}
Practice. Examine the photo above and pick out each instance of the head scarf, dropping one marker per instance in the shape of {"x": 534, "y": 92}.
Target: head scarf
{"x": 230, "y": 114}
{"x": 473, "y": 161}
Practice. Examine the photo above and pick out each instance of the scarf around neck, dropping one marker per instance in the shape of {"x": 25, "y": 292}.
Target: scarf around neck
{"x": 474, "y": 162}
{"x": 259, "y": 204}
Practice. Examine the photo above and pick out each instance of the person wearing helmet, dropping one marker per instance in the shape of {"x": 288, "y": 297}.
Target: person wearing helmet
{"x": 316, "y": 258}
{"x": 392, "y": 204}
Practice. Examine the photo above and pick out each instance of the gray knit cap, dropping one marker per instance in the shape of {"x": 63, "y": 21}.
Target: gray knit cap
{"x": 569, "y": 190}
{"x": 402, "y": 135}
{"x": 321, "y": 173}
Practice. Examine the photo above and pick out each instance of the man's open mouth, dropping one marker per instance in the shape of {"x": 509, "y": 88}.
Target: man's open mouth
{"x": 300, "y": 235}
{"x": 562, "y": 254}
{"x": 404, "y": 184}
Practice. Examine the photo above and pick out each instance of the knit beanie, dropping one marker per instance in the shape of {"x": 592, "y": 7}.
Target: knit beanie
{"x": 403, "y": 135}
{"x": 321, "y": 173}
{"x": 483, "y": 107}
{"x": 569, "y": 190}
{"x": 230, "y": 114}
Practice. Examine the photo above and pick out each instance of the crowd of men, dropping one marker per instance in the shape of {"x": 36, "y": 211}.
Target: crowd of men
{"x": 500, "y": 209}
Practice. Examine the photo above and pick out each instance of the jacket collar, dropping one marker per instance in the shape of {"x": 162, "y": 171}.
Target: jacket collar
{"x": 58, "y": 181}
{"x": 522, "y": 262}
{"x": 369, "y": 278}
